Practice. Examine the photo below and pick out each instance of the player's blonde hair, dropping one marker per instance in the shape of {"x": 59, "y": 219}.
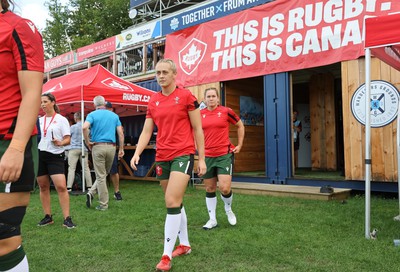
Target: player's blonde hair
{"x": 171, "y": 64}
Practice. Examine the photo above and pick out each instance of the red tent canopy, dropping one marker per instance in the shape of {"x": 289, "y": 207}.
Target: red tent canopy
{"x": 382, "y": 39}
{"x": 382, "y": 36}
{"x": 82, "y": 86}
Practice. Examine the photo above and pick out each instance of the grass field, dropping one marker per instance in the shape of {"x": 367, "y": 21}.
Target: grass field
{"x": 272, "y": 234}
{"x": 301, "y": 173}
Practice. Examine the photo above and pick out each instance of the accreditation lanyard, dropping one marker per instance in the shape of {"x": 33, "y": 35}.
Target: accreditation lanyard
{"x": 44, "y": 124}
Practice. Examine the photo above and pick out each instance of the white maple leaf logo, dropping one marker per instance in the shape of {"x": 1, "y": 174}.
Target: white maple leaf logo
{"x": 192, "y": 56}
{"x": 174, "y": 23}
{"x": 55, "y": 88}
{"x": 116, "y": 85}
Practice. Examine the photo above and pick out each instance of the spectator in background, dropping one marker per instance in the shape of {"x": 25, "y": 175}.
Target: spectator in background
{"x": 297, "y": 128}
{"x": 175, "y": 112}
{"x": 55, "y": 136}
{"x": 21, "y": 75}
{"x": 103, "y": 126}
{"x": 75, "y": 153}
{"x": 114, "y": 175}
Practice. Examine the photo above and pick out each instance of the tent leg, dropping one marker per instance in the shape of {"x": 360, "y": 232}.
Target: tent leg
{"x": 367, "y": 143}
{"x": 397, "y": 218}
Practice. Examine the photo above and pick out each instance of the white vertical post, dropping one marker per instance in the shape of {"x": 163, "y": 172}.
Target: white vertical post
{"x": 367, "y": 142}
{"x": 161, "y": 30}
{"x": 83, "y": 146}
{"x": 397, "y": 218}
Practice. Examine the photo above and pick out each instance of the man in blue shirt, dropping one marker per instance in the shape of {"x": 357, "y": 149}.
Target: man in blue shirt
{"x": 102, "y": 124}
{"x": 75, "y": 153}
{"x": 114, "y": 175}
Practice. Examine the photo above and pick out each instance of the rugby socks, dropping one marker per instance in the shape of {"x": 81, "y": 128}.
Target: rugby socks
{"x": 211, "y": 202}
{"x": 183, "y": 231}
{"x": 228, "y": 201}
{"x": 171, "y": 229}
{"x": 14, "y": 261}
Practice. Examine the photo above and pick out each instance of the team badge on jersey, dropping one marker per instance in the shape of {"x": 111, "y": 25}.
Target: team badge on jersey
{"x": 159, "y": 170}
{"x": 176, "y": 100}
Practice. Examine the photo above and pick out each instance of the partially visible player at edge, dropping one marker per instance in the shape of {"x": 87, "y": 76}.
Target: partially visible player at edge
{"x": 21, "y": 76}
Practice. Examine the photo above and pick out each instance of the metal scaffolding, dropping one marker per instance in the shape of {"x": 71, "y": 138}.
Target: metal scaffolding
{"x": 157, "y": 9}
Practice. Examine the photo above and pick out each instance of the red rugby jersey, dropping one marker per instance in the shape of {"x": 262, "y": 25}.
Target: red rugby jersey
{"x": 171, "y": 116}
{"x": 21, "y": 48}
{"x": 216, "y": 130}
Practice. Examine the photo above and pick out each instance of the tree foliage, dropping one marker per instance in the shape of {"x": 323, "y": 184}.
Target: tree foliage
{"x": 54, "y": 38}
{"x": 83, "y": 22}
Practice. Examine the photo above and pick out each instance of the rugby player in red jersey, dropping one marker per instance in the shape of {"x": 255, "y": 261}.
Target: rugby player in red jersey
{"x": 21, "y": 76}
{"x": 219, "y": 154}
{"x": 175, "y": 113}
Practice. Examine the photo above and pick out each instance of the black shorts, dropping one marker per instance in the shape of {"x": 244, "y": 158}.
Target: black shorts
{"x": 51, "y": 164}
{"x": 114, "y": 167}
{"x": 26, "y": 181}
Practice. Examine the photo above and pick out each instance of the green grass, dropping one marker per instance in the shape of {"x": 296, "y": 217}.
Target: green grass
{"x": 251, "y": 174}
{"x": 301, "y": 173}
{"x": 307, "y": 173}
{"x": 272, "y": 234}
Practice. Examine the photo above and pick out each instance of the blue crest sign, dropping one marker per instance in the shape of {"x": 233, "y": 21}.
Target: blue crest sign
{"x": 384, "y": 103}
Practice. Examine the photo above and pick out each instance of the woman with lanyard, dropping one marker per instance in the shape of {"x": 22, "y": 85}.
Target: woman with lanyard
{"x": 55, "y": 134}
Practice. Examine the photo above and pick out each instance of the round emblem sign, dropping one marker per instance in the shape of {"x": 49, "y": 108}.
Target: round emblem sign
{"x": 384, "y": 103}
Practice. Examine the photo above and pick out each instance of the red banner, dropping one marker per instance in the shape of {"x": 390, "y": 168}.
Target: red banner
{"x": 104, "y": 46}
{"x": 64, "y": 59}
{"x": 280, "y": 36}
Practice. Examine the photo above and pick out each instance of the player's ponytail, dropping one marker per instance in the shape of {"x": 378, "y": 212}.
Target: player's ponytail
{"x": 5, "y": 5}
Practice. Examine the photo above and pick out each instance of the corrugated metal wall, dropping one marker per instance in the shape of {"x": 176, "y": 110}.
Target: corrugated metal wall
{"x": 150, "y": 84}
